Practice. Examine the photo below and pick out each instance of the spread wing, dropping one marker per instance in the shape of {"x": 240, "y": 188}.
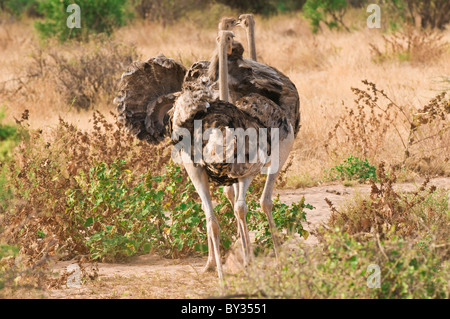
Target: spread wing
{"x": 146, "y": 94}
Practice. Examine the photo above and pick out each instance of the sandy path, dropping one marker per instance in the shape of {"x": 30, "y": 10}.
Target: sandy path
{"x": 150, "y": 276}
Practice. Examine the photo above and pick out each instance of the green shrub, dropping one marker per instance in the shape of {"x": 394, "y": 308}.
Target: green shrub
{"x": 122, "y": 214}
{"x": 118, "y": 215}
{"x": 288, "y": 220}
{"x": 354, "y": 169}
{"x": 330, "y": 12}
{"x": 339, "y": 268}
{"x": 20, "y": 7}
{"x": 96, "y": 17}
{"x": 46, "y": 168}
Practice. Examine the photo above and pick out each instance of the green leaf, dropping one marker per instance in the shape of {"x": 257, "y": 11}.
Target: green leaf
{"x": 88, "y": 222}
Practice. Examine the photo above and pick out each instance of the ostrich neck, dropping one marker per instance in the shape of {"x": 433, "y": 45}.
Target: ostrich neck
{"x": 223, "y": 72}
{"x": 251, "y": 41}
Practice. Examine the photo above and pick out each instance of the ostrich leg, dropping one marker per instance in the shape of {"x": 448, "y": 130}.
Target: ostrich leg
{"x": 229, "y": 194}
{"x": 240, "y": 212}
{"x": 266, "y": 197}
{"x": 199, "y": 178}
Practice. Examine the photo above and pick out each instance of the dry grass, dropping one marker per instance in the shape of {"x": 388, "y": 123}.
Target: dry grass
{"x": 411, "y": 45}
{"x": 324, "y": 67}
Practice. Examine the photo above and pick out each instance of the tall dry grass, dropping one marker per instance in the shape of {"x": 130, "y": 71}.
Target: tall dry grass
{"x": 324, "y": 68}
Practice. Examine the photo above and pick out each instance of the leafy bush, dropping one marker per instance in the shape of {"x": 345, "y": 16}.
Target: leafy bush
{"x": 354, "y": 169}
{"x": 45, "y": 169}
{"x": 287, "y": 218}
{"x": 118, "y": 215}
{"x": 338, "y": 267}
{"x": 21, "y": 7}
{"x": 330, "y": 12}
{"x": 98, "y": 193}
{"x": 96, "y": 17}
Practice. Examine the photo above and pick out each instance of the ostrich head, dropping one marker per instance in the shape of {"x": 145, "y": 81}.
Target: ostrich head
{"x": 236, "y": 52}
{"x": 227, "y": 24}
{"x": 246, "y": 21}
{"x": 225, "y": 41}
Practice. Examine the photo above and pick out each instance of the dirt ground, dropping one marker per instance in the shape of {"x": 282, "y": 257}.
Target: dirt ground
{"x": 151, "y": 276}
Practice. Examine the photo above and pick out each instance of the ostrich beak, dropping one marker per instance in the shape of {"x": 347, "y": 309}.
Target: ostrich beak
{"x": 230, "y": 49}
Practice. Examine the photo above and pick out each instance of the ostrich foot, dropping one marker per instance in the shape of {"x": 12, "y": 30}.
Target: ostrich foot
{"x": 210, "y": 266}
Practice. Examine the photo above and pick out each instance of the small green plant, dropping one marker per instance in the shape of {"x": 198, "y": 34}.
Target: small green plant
{"x": 288, "y": 220}
{"x": 330, "y": 12}
{"x": 354, "y": 168}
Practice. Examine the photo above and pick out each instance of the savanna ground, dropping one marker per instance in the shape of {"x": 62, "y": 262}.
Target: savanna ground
{"x": 371, "y": 158}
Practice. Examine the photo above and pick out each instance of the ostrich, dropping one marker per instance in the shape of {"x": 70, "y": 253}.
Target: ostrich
{"x": 248, "y": 76}
{"x": 147, "y": 92}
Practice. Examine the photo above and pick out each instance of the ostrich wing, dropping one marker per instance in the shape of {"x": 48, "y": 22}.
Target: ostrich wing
{"x": 269, "y": 114}
{"x": 146, "y": 94}
{"x": 248, "y": 76}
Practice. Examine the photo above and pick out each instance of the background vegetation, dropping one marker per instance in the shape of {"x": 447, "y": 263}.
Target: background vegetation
{"x": 375, "y": 109}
